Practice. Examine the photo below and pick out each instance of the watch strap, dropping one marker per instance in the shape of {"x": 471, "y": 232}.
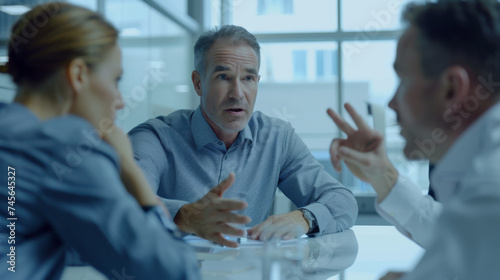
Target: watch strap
{"x": 310, "y": 218}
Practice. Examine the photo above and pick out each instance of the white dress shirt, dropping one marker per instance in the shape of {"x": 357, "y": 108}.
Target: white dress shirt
{"x": 413, "y": 213}
{"x": 465, "y": 241}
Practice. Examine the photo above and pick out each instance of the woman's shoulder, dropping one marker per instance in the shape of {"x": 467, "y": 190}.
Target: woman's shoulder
{"x": 76, "y": 133}
{"x": 66, "y": 129}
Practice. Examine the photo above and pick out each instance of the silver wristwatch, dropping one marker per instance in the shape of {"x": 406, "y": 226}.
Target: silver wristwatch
{"x": 313, "y": 224}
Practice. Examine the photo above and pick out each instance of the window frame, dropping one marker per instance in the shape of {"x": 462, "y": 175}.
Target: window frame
{"x": 365, "y": 200}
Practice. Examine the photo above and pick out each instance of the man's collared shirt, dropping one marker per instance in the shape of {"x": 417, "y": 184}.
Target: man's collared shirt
{"x": 183, "y": 159}
{"x": 465, "y": 239}
{"x": 413, "y": 213}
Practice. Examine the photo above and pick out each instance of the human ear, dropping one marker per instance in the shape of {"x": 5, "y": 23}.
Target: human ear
{"x": 77, "y": 75}
{"x": 456, "y": 83}
{"x": 196, "y": 78}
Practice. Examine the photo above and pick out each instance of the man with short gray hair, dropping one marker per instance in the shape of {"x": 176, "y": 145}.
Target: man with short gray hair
{"x": 187, "y": 152}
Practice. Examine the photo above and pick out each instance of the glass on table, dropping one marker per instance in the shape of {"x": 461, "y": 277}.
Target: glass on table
{"x": 283, "y": 259}
{"x": 237, "y": 238}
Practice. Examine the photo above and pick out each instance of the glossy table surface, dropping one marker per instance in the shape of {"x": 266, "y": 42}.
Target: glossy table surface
{"x": 306, "y": 258}
{"x": 364, "y": 252}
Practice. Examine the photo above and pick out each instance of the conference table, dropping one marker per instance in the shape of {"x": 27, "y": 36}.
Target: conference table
{"x": 360, "y": 253}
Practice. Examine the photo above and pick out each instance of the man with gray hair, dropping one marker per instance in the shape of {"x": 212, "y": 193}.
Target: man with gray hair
{"x": 187, "y": 152}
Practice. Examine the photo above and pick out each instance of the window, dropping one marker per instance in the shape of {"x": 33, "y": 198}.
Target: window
{"x": 275, "y": 7}
{"x": 305, "y": 52}
{"x": 299, "y": 64}
{"x": 372, "y": 15}
{"x": 156, "y": 55}
{"x": 291, "y": 89}
{"x": 215, "y": 13}
{"x": 326, "y": 64}
{"x": 269, "y": 16}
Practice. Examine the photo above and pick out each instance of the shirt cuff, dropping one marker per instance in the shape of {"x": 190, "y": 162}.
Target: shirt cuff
{"x": 320, "y": 212}
{"x": 159, "y": 213}
{"x": 402, "y": 201}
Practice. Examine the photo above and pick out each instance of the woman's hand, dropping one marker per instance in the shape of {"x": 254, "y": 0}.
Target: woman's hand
{"x": 131, "y": 174}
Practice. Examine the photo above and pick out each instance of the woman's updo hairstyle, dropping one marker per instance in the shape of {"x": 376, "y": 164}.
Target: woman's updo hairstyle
{"x": 50, "y": 36}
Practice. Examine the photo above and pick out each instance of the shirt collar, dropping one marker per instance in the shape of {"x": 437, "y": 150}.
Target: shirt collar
{"x": 203, "y": 133}
{"x": 246, "y": 133}
{"x": 456, "y": 162}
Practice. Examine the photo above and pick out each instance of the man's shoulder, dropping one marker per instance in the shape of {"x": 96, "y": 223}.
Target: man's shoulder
{"x": 174, "y": 120}
{"x": 179, "y": 116}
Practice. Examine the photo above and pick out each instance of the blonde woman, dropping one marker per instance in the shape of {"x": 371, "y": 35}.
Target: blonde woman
{"x": 68, "y": 176}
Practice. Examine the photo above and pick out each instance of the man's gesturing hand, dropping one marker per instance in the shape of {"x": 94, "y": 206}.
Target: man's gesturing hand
{"x": 208, "y": 217}
{"x": 363, "y": 152}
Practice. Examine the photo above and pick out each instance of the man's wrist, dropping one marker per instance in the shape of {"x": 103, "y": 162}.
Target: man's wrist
{"x": 181, "y": 217}
{"x": 384, "y": 184}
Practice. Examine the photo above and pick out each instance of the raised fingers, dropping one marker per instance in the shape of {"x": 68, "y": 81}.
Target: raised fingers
{"x": 340, "y": 122}
{"x": 358, "y": 120}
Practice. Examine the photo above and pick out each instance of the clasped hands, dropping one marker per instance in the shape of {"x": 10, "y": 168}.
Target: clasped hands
{"x": 210, "y": 217}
